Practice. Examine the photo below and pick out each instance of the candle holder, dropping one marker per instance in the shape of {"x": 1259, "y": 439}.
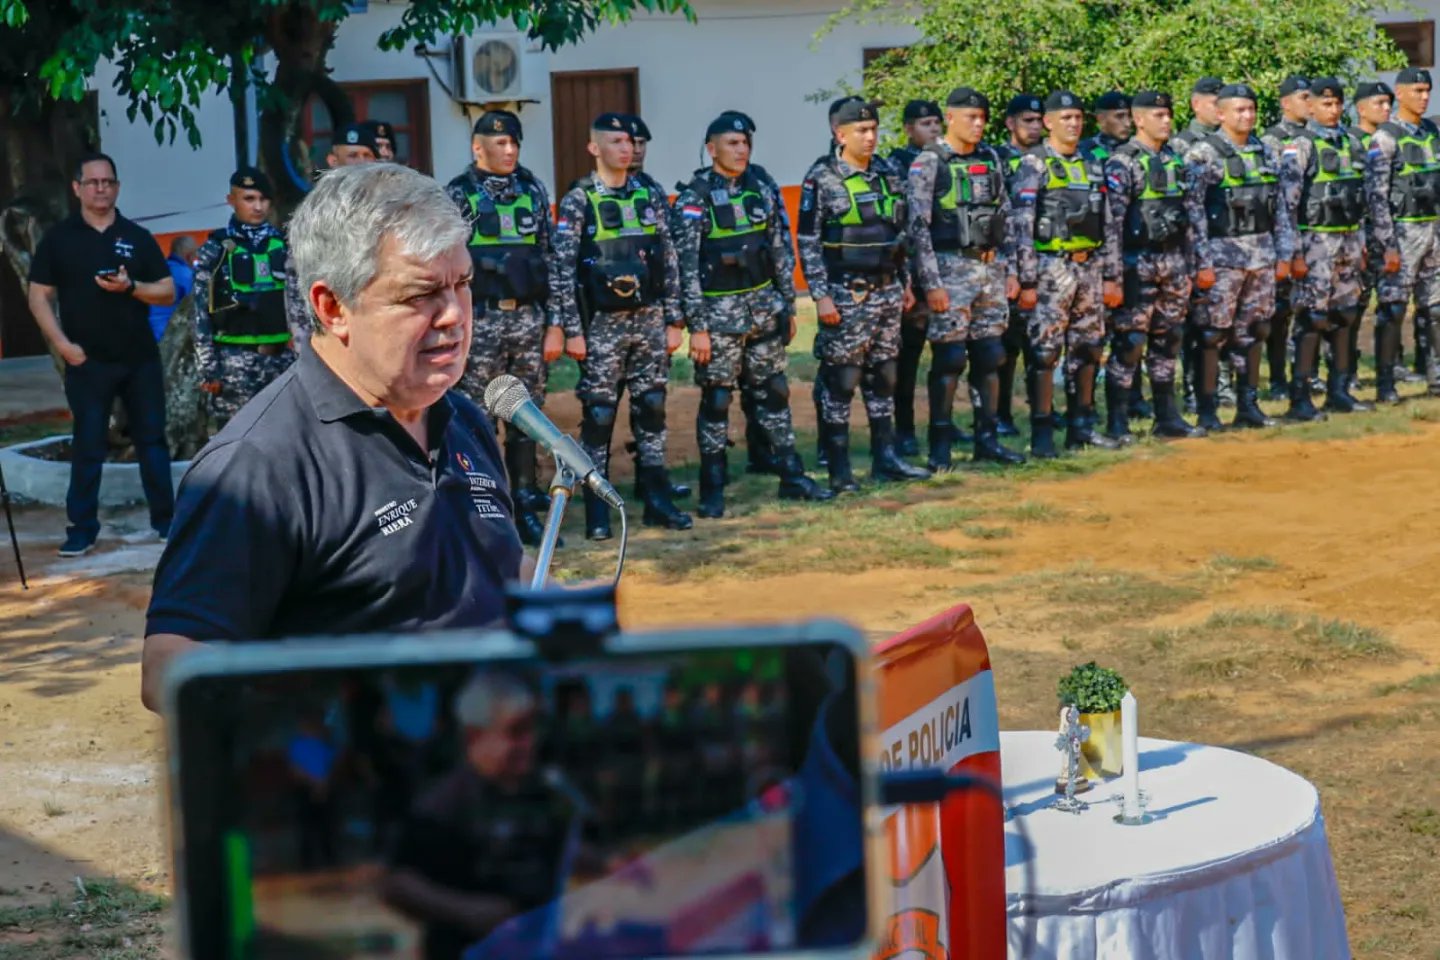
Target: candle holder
{"x": 1071, "y": 735}
{"x": 1133, "y": 821}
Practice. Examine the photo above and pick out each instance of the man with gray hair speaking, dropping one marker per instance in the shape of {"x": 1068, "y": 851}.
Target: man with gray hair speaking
{"x": 356, "y": 493}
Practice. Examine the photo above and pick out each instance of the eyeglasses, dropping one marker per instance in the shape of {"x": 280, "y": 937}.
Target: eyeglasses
{"x": 98, "y": 183}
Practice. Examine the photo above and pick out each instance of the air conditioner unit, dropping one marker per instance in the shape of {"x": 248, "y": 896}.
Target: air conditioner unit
{"x": 492, "y": 68}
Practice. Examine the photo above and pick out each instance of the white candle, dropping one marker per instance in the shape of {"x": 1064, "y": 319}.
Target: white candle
{"x": 1130, "y": 734}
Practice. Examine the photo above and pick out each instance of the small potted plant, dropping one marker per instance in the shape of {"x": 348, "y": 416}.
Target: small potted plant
{"x": 1097, "y": 692}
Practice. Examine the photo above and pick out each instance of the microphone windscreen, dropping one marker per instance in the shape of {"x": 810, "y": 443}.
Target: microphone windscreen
{"x": 504, "y": 396}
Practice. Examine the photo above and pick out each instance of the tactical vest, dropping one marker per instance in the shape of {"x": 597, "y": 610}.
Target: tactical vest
{"x": 1243, "y": 203}
{"x": 1097, "y": 148}
{"x": 1155, "y": 220}
{"x": 1333, "y": 200}
{"x": 1071, "y": 213}
{"x": 504, "y": 248}
{"x": 868, "y": 237}
{"x": 965, "y": 211}
{"x": 1285, "y": 131}
{"x": 735, "y": 252}
{"x": 251, "y": 292}
{"x": 622, "y": 264}
{"x": 1191, "y": 135}
{"x": 901, "y": 158}
{"x": 1415, "y": 187}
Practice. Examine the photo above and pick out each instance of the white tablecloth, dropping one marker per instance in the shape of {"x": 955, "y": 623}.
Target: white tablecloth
{"x": 1236, "y": 866}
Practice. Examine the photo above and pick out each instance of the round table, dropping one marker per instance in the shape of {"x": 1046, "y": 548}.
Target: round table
{"x": 1236, "y": 865}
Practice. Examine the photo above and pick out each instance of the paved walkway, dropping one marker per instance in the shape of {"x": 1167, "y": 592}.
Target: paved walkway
{"x": 29, "y": 386}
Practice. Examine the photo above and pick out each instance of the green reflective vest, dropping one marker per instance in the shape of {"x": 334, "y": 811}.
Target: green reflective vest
{"x": 1243, "y": 202}
{"x": 504, "y": 247}
{"x": 1415, "y": 187}
{"x": 868, "y": 236}
{"x": 1155, "y": 220}
{"x": 735, "y": 252}
{"x": 965, "y": 211}
{"x": 1070, "y": 211}
{"x": 621, "y": 263}
{"x": 1333, "y": 200}
{"x": 250, "y": 288}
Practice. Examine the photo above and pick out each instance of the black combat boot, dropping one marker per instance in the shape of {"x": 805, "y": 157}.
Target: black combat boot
{"x": 1139, "y": 409}
{"x": 795, "y": 484}
{"x": 597, "y": 517}
{"x": 712, "y": 486}
{"x": 836, "y": 443}
{"x": 1207, "y": 377}
{"x": 941, "y": 437}
{"x": 1247, "y": 400}
{"x": 1388, "y": 318}
{"x": 1042, "y": 437}
{"x": 1041, "y": 390}
{"x": 985, "y": 393}
{"x": 1118, "y": 413}
{"x": 1337, "y": 393}
{"x": 520, "y": 462}
{"x": 885, "y": 463}
{"x": 1307, "y": 348}
{"x": 660, "y": 509}
{"x": 759, "y": 457}
{"x": 1080, "y": 417}
{"x": 1168, "y": 422}
{"x": 678, "y": 491}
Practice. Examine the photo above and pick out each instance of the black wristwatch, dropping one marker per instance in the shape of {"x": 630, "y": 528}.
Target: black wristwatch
{"x": 130, "y": 290}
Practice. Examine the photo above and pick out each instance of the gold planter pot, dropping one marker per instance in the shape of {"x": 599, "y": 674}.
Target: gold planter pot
{"x": 1103, "y": 754}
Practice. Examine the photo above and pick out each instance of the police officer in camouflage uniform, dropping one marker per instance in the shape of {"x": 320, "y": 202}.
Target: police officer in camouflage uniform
{"x": 1408, "y": 151}
{"x": 1149, "y": 232}
{"x": 1372, "y": 108}
{"x": 242, "y": 341}
{"x": 1024, "y": 119}
{"x": 510, "y": 248}
{"x": 1065, "y": 276}
{"x": 1294, "y": 113}
{"x": 922, "y": 128}
{"x": 616, "y": 293}
{"x": 737, "y": 285}
{"x": 1238, "y": 199}
{"x": 1204, "y": 121}
{"x": 852, "y": 250}
{"x": 963, "y": 261}
{"x": 1340, "y": 187}
{"x": 1114, "y": 125}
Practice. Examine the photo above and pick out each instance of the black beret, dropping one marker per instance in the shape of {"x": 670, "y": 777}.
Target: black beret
{"x": 1327, "y": 87}
{"x": 1022, "y": 103}
{"x": 637, "y": 127}
{"x": 835, "y": 105}
{"x": 1152, "y": 98}
{"x": 611, "y": 123}
{"x": 1062, "y": 100}
{"x": 968, "y": 97}
{"x": 726, "y": 123}
{"x": 358, "y": 135}
{"x": 1208, "y": 86}
{"x": 742, "y": 117}
{"x": 919, "y": 110}
{"x": 498, "y": 123}
{"x": 380, "y": 129}
{"x": 1413, "y": 75}
{"x": 251, "y": 178}
{"x": 1375, "y": 88}
{"x": 1113, "y": 100}
{"x": 1295, "y": 83}
{"x": 1237, "y": 91}
{"x": 855, "y": 111}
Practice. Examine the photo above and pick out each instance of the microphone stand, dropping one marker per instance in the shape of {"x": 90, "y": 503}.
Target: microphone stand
{"x": 562, "y": 489}
{"x": 15, "y": 541}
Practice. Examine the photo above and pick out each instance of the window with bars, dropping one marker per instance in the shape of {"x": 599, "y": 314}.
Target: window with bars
{"x": 1416, "y": 39}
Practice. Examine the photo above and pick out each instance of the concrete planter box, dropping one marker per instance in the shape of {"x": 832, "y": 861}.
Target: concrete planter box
{"x": 46, "y": 481}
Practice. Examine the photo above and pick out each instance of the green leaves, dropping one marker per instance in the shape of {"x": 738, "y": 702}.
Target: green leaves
{"x": 1093, "y": 689}
{"x": 1091, "y": 46}
{"x": 13, "y": 13}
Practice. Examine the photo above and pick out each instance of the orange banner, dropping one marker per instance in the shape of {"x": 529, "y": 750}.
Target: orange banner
{"x": 947, "y": 863}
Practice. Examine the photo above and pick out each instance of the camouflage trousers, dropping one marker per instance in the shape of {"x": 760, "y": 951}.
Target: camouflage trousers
{"x": 243, "y": 373}
{"x": 867, "y": 337}
{"x": 978, "y": 308}
{"x": 506, "y": 341}
{"x": 1419, "y": 276}
{"x": 1240, "y": 299}
{"x": 626, "y": 351}
{"x": 755, "y": 362}
{"x": 1157, "y": 298}
{"x": 1333, "y": 279}
{"x": 1069, "y": 313}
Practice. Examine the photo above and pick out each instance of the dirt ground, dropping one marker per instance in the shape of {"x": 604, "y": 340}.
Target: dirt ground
{"x": 1275, "y": 594}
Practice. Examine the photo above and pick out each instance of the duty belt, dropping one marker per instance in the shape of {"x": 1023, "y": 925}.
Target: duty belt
{"x": 982, "y": 254}
{"x": 865, "y": 282}
{"x": 1074, "y": 256}
{"x": 264, "y": 349}
{"x": 511, "y": 304}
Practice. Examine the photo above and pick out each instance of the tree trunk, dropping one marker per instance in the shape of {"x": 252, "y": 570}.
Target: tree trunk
{"x": 300, "y": 41}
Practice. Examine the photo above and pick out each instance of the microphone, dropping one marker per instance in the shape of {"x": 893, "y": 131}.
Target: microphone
{"x": 556, "y": 780}
{"x": 507, "y": 399}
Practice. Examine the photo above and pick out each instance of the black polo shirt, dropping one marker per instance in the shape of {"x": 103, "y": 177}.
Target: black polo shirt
{"x": 312, "y": 513}
{"x": 112, "y": 327}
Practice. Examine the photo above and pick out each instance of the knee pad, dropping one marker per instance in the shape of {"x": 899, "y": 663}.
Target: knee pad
{"x": 987, "y": 355}
{"x": 1389, "y": 313}
{"x": 881, "y": 378}
{"x": 1088, "y": 352}
{"x": 1168, "y": 343}
{"x": 1214, "y": 338}
{"x": 1347, "y": 316}
{"x": 1044, "y": 358}
{"x": 649, "y": 408}
{"x": 715, "y": 404}
{"x": 1128, "y": 345}
{"x": 841, "y": 381}
{"x": 774, "y": 394}
{"x": 597, "y": 421}
{"x": 1262, "y": 329}
{"x": 947, "y": 358}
